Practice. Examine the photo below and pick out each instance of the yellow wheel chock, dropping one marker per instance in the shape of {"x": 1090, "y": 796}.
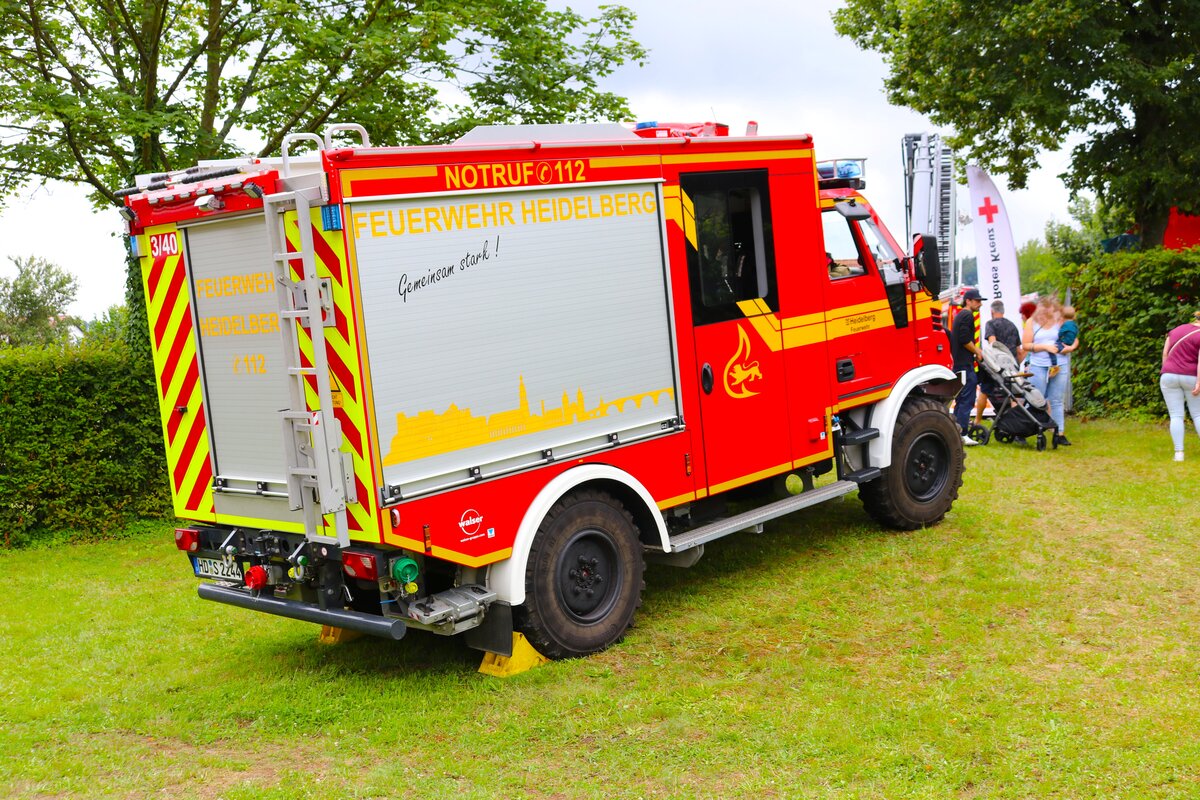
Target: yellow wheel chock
{"x": 332, "y": 635}
{"x": 523, "y": 658}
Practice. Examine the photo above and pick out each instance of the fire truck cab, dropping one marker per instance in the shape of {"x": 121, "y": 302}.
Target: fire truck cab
{"x": 473, "y": 388}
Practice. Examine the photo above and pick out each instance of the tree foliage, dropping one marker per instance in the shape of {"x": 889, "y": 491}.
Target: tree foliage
{"x": 33, "y": 305}
{"x": 1015, "y": 78}
{"x": 1127, "y": 302}
{"x": 96, "y": 91}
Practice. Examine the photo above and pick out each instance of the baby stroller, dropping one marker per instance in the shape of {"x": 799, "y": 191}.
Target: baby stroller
{"x": 1021, "y": 410}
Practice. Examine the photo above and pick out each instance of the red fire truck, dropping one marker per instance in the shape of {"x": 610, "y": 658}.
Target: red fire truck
{"x": 473, "y": 388}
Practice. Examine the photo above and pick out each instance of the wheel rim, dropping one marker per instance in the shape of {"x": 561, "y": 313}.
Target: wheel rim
{"x": 926, "y": 467}
{"x": 588, "y": 576}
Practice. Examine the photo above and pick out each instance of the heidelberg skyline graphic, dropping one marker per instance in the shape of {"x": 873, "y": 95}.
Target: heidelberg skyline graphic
{"x": 429, "y": 433}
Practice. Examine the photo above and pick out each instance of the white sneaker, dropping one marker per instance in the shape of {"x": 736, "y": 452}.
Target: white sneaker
{"x": 969, "y": 442}
{"x": 1179, "y": 455}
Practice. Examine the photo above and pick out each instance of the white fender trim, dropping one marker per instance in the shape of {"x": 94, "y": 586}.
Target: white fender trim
{"x": 507, "y": 578}
{"x": 884, "y": 413}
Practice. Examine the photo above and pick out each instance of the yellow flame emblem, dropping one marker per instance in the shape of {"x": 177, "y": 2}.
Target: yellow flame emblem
{"x": 740, "y": 371}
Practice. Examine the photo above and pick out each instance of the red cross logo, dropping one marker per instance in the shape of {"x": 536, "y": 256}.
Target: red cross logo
{"x": 988, "y": 210}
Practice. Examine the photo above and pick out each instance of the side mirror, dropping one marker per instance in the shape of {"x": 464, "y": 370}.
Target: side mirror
{"x": 927, "y": 264}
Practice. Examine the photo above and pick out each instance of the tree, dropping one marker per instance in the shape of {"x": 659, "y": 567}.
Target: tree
{"x": 33, "y": 304}
{"x": 1041, "y": 270}
{"x": 1015, "y": 78}
{"x": 97, "y": 91}
{"x": 109, "y": 328}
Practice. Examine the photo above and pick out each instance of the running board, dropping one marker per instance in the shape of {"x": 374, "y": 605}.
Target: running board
{"x": 749, "y": 519}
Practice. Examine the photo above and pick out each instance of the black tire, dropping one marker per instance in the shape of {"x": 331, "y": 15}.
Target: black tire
{"x": 1003, "y": 438}
{"x": 584, "y": 578}
{"x": 978, "y": 433}
{"x": 926, "y": 472}
{"x": 1041, "y": 442}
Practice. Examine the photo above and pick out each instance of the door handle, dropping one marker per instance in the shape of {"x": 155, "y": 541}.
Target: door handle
{"x": 706, "y": 378}
{"x": 845, "y": 370}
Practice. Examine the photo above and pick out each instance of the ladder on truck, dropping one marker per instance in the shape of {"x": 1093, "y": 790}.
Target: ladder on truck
{"x": 930, "y": 196}
{"x": 319, "y": 479}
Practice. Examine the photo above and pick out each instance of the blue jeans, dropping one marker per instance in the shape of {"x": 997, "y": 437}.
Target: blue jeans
{"x": 965, "y": 402}
{"x": 1053, "y": 389}
{"x": 1177, "y": 392}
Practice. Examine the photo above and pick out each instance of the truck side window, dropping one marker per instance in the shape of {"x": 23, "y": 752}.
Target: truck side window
{"x": 732, "y": 260}
{"x": 845, "y": 258}
{"x": 886, "y": 260}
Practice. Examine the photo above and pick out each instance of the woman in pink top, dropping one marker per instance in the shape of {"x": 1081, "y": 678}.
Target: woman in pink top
{"x": 1180, "y": 380}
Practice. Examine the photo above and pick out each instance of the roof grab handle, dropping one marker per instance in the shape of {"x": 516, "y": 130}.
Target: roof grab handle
{"x": 296, "y": 137}
{"x": 346, "y": 126}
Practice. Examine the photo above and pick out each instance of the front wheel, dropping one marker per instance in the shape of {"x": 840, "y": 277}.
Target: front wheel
{"x": 583, "y": 581}
{"x": 926, "y": 471}
{"x": 978, "y": 433}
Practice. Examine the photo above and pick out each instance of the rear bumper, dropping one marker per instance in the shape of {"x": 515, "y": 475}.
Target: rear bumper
{"x": 370, "y": 624}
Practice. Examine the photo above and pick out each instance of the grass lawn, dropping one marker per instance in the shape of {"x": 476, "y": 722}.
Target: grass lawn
{"x": 1041, "y": 642}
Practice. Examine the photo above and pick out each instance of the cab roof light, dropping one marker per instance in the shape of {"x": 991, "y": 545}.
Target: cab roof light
{"x": 187, "y": 539}
{"x": 363, "y": 566}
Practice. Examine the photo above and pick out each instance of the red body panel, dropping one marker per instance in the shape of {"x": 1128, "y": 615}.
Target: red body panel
{"x": 774, "y": 363}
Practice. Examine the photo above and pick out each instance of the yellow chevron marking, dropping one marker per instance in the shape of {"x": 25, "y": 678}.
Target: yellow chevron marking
{"x": 170, "y": 397}
{"x": 689, "y": 219}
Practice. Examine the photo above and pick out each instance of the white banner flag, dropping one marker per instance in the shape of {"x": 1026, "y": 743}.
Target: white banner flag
{"x": 995, "y": 252}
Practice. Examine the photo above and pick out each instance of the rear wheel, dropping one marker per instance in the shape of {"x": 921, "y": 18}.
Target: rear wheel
{"x": 583, "y": 581}
{"x": 1003, "y": 438}
{"x": 926, "y": 471}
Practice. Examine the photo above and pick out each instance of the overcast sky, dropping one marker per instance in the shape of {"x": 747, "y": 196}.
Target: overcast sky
{"x": 777, "y": 62}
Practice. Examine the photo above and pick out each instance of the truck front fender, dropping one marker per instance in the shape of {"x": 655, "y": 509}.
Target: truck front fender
{"x": 884, "y": 413}
{"x": 507, "y": 578}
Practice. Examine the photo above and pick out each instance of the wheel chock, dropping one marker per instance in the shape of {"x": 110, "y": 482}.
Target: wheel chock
{"x": 524, "y": 657}
{"x": 332, "y": 635}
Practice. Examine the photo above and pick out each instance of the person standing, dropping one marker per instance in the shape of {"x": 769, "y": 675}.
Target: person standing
{"x": 1040, "y": 339}
{"x": 997, "y": 331}
{"x": 965, "y": 351}
{"x": 1180, "y": 378}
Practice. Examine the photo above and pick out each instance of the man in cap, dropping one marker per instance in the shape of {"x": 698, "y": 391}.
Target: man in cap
{"x": 965, "y": 351}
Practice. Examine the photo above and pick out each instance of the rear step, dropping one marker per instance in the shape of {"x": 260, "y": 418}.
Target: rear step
{"x": 750, "y": 519}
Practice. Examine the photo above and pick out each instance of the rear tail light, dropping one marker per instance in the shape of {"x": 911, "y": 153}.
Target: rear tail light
{"x": 364, "y": 566}
{"x": 187, "y": 539}
{"x": 256, "y": 577}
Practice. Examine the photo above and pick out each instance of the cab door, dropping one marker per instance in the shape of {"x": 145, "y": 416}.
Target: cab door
{"x": 738, "y": 342}
{"x": 867, "y": 323}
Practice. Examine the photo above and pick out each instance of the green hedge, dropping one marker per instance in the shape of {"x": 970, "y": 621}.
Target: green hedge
{"x": 1126, "y": 303}
{"x": 80, "y": 445}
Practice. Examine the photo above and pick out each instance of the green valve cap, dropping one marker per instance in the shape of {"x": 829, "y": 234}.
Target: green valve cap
{"x": 405, "y": 570}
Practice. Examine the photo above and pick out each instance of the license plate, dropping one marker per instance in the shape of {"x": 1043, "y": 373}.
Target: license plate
{"x": 217, "y": 568}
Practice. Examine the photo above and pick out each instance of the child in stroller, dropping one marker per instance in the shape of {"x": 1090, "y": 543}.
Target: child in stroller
{"x": 1021, "y": 410}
